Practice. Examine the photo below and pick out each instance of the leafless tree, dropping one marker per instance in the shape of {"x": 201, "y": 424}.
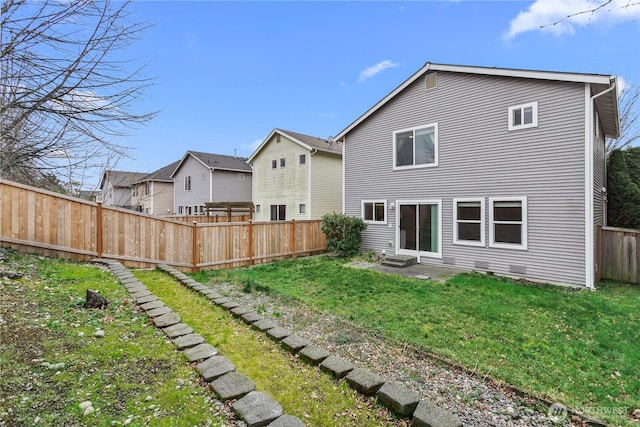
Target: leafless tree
{"x": 604, "y": 4}
{"x": 629, "y": 119}
{"x": 66, "y": 92}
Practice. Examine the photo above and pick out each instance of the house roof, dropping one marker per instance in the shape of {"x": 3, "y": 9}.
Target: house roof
{"x": 306, "y": 141}
{"x": 163, "y": 174}
{"x": 121, "y": 179}
{"x": 607, "y": 104}
{"x": 216, "y": 161}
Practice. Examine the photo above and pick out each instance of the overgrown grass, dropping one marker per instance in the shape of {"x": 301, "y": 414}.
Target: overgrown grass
{"x": 302, "y": 390}
{"x": 131, "y": 373}
{"x": 577, "y": 347}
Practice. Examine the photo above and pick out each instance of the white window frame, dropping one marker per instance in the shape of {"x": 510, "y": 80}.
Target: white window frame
{"x": 456, "y": 240}
{"x": 521, "y": 107}
{"x": 302, "y": 208}
{"x": 435, "y": 147}
{"x": 257, "y": 208}
{"x": 523, "y": 223}
{"x": 374, "y": 202}
{"x": 302, "y": 159}
{"x": 283, "y": 162}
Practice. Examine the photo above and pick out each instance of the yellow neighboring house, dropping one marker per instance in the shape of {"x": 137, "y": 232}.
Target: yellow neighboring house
{"x": 296, "y": 176}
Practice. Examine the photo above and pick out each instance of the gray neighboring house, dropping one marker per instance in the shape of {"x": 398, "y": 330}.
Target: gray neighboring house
{"x": 205, "y": 177}
{"x": 488, "y": 169}
{"x": 116, "y": 187}
{"x": 153, "y": 194}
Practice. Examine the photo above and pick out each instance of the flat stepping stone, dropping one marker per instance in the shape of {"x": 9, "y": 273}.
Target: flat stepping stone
{"x": 215, "y": 367}
{"x": 187, "y": 341}
{"x": 190, "y": 281}
{"x": 167, "y": 320}
{"x": 222, "y": 300}
{"x": 136, "y": 288}
{"x": 200, "y": 352}
{"x": 336, "y": 366}
{"x": 163, "y": 266}
{"x": 229, "y": 304}
{"x": 139, "y": 294}
{"x": 429, "y": 415}
{"x": 264, "y": 324}
{"x": 232, "y": 386}
{"x": 128, "y": 279}
{"x": 213, "y": 296}
{"x": 208, "y": 292}
{"x": 398, "y": 398}
{"x": 295, "y": 343}
{"x": 241, "y": 309}
{"x": 287, "y": 421}
{"x": 278, "y": 333}
{"x": 365, "y": 381}
{"x": 251, "y": 317}
{"x": 257, "y": 409}
{"x": 178, "y": 330}
{"x": 146, "y": 298}
{"x": 155, "y": 312}
{"x": 152, "y": 304}
{"x": 313, "y": 354}
{"x": 199, "y": 288}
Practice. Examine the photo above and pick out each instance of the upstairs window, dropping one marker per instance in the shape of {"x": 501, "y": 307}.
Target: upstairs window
{"x": 282, "y": 162}
{"x": 523, "y": 116}
{"x": 303, "y": 159}
{"x": 374, "y": 211}
{"x": 416, "y": 147}
{"x": 274, "y": 164}
{"x": 187, "y": 183}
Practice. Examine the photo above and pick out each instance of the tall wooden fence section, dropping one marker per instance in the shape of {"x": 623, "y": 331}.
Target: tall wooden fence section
{"x": 620, "y": 254}
{"x": 55, "y": 225}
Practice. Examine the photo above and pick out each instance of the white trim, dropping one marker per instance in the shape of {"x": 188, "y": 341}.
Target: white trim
{"x": 456, "y": 241}
{"x": 588, "y": 189}
{"x": 417, "y": 252}
{"x": 524, "y": 226}
{"x": 534, "y": 113}
{"x": 309, "y": 184}
{"x": 344, "y": 175}
{"x": 374, "y": 202}
{"x": 435, "y": 147}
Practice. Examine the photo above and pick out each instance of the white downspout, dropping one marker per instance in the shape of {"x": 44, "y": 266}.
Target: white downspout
{"x": 344, "y": 180}
{"x": 313, "y": 151}
{"x": 589, "y": 191}
{"x": 210, "y": 185}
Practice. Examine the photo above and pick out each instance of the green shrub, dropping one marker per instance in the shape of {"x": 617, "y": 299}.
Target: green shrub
{"x": 343, "y": 233}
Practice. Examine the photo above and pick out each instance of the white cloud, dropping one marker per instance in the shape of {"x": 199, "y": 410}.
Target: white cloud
{"x": 375, "y": 69}
{"x": 622, "y": 84}
{"x": 567, "y": 14}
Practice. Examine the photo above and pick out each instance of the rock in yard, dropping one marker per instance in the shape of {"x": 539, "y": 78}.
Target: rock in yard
{"x": 429, "y": 415}
{"x": 257, "y": 409}
{"x": 398, "y": 398}
{"x": 337, "y": 366}
{"x": 232, "y": 386}
{"x": 214, "y": 367}
{"x": 95, "y": 300}
{"x": 366, "y": 382}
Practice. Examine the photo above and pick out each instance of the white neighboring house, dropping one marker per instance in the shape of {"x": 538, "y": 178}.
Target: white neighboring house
{"x": 296, "y": 177}
{"x": 206, "y": 177}
{"x": 117, "y": 187}
{"x": 153, "y": 194}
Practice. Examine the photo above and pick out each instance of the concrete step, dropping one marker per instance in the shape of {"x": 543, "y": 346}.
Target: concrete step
{"x": 399, "y": 261}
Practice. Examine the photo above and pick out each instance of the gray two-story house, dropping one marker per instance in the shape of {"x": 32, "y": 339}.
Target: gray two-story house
{"x": 489, "y": 169}
{"x": 205, "y": 177}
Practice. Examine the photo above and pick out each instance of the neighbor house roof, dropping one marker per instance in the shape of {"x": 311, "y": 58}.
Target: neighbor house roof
{"x": 163, "y": 174}
{"x": 306, "y": 141}
{"x": 216, "y": 161}
{"x": 121, "y": 179}
{"x": 607, "y": 104}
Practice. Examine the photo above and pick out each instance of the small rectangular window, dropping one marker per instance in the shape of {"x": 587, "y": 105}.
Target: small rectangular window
{"x": 374, "y": 211}
{"x": 431, "y": 81}
{"x": 303, "y": 208}
{"x": 181, "y": 210}
{"x": 523, "y": 116}
{"x": 202, "y": 176}
{"x": 303, "y": 159}
{"x": 282, "y": 162}
{"x": 187, "y": 183}
{"x": 468, "y": 222}
{"x": 508, "y": 222}
{"x": 278, "y": 212}
{"x": 257, "y": 208}
{"x": 274, "y": 164}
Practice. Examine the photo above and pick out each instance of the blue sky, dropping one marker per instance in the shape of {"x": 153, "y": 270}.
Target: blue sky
{"x": 227, "y": 73}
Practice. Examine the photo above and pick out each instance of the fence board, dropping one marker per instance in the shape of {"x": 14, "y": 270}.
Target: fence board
{"x": 621, "y": 254}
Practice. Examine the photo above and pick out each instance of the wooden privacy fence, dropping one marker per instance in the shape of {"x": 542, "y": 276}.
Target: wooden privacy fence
{"x": 620, "y": 254}
{"x": 57, "y": 225}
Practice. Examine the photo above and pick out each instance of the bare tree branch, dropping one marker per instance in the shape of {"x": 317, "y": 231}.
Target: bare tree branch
{"x": 629, "y": 120}
{"x": 66, "y": 95}
{"x": 591, "y": 11}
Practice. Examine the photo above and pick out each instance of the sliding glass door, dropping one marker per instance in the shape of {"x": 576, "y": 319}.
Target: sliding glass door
{"x": 419, "y": 228}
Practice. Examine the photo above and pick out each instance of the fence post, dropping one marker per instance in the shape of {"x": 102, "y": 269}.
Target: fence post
{"x": 250, "y": 243}
{"x": 99, "y": 230}
{"x": 195, "y": 246}
{"x": 599, "y": 252}
{"x": 292, "y": 238}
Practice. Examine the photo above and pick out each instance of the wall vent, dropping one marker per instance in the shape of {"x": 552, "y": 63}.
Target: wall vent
{"x": 431, "y": 81}
{"x": 517, "y": 269}
{"x": 449, "y": 260}
{"x": 481, "y": 265}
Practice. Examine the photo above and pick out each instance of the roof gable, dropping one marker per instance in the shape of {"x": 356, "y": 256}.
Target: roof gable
{"x": 215, "y": 161}
{"x": 121, "y": 178}
{"x": 607, "y": 105}
{"x": 305, "y": 141}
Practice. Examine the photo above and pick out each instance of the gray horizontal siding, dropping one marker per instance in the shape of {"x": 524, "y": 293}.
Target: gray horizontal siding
{"x": 479, "y": 157}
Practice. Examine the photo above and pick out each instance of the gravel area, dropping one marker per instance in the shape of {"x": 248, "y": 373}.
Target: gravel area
{"x": 473, "y": 396}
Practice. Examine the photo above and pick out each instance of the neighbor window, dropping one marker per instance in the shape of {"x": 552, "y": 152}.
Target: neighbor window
{"x": 278, "y": 212}
{"x": 508, "y": 222}
{"x": 257, "y": 208}
{"x": 523, "y": 116}
{"x": 282, "y": 161}
{"x": 468, "y": 222}
{"x": 180, "y": 210}
{"x": 274, "y": 164}
{"x": 416, "y": 147}
{"x": 187, "y": 183}
{"x": 374, "y": 211}
{"x": 303, "y": 208}
{"x": 303, "y": 159}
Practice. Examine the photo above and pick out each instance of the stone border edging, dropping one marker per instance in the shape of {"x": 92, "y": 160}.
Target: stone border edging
{"x": 255, "y": 408}
{"x": 398, "y": 398}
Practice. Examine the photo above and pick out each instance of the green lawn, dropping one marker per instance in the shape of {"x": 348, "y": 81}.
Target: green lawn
{"x": 580, "y": 348}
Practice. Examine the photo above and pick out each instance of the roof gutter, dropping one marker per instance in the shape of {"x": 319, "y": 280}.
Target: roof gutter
{"x": 589, "y": 190}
